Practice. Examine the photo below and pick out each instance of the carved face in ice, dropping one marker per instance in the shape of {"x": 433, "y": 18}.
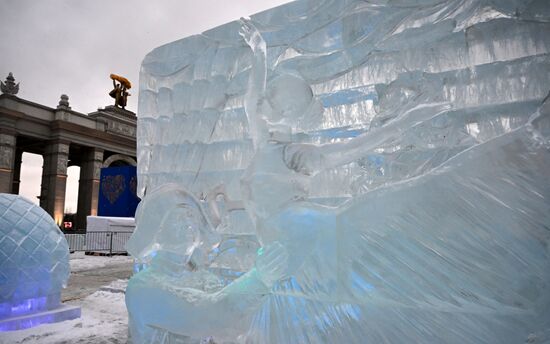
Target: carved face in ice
{"x": 289, "y": 97}
{"x": 172, "y": 221}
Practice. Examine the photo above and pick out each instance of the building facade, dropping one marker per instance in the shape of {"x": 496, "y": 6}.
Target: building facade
{"x": 64, "y": 138}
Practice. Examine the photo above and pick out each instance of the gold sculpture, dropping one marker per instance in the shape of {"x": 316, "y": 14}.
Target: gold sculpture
{"x": 119, "y": 92}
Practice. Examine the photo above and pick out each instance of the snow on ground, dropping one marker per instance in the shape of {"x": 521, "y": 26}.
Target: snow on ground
{"x": 104, "y": 320}
{"x": 80, "y": 262}
{"x": 104, "y": 317}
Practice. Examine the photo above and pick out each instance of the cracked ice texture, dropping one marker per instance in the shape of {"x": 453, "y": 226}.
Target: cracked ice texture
{"x": 34, "y": 258}
{"x": 426, "y": 217}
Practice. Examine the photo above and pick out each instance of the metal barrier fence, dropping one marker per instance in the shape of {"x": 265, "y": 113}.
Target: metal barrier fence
{"x": 100, "y": 242}
{"x": 77, "y": 242}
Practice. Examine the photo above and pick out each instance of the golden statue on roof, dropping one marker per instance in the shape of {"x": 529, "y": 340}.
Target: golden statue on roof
{"x": 119, "y": 92}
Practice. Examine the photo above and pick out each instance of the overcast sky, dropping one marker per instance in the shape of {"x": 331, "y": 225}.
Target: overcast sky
{"x": 71, "y": 46}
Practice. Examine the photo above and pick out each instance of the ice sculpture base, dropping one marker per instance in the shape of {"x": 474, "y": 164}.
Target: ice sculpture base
{"x": 64, "y": 312}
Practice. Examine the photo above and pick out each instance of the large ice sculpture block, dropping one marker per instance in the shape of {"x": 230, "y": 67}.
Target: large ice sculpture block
{"x": 34, "y": 264}
{"x": 348, "y": 172}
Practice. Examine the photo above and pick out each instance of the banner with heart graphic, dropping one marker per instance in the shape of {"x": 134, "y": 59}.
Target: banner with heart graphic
{"x": 117, "y": 196}
{"x": 112, "y": 187}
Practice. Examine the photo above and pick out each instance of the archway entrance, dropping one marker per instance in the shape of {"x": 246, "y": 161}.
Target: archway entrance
{"x": 30, "y": 178}
{"x": 71, "y": 197}
{"x": 118, "y": 160}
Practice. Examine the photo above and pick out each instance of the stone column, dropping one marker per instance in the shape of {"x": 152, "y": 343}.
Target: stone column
{"x": 7, "y": 159}
{"x": 17, "y": 172}
{"x": 88, "y": 186}
{"x": 54, "y": 179}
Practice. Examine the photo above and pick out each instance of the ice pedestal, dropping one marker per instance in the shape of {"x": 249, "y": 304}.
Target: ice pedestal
{"x": 58, "y": 314}
{"x": 391, "y": 158}
{"x": 34, "y": 266}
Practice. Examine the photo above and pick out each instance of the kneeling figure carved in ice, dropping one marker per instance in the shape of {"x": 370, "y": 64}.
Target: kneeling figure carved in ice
{"x": 424, "y": 221}
{"x": 34, "y": 259}
{"x": 178, "y": 281}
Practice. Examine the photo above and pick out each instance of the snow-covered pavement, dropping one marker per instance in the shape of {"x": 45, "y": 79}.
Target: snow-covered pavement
{"x": 104, "y": 318}
{"x": 90, "y": 273}
{"x": 81, "y": 262}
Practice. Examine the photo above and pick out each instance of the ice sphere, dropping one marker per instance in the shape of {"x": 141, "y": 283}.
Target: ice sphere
{"x": 348, "y": 171}
{"x": 34, "y": 258}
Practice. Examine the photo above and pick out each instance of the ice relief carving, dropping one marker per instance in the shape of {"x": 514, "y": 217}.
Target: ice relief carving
{"x": 347, "y": 172}
{"x": 183, "y": 246}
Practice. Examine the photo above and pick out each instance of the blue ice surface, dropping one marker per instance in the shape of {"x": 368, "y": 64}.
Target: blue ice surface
{"x": 34, "y": 256}
{"x": 389, "y": 158}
